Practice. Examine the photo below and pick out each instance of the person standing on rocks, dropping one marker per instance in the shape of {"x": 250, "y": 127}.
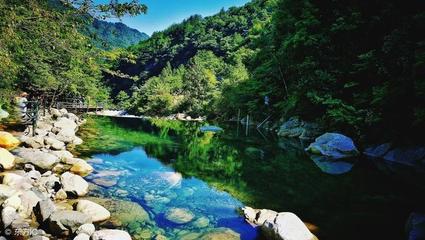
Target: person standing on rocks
{"x": 22, "y": 104}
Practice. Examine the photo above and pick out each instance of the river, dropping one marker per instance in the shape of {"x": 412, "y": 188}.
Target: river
{"x": 193, "y": 183}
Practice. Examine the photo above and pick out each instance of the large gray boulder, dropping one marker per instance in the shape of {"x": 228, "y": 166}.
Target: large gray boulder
{"x": 74, "y": 184}
{"x": 40, "y": 159}
{"x": 110, "y": 234}
{"x": 65, "y": 222}
{"x": 333, "y": 145}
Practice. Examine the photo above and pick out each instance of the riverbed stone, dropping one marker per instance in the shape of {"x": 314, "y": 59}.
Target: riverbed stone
{"x": 65, "y": 123}
{"x": 87, "y": 228}
{"x": 54, "y": 143}
{"x": 35, "y": 142}
{"x": 333, "y": 145}
{"x": 7, "y": 160}
{"x": 94, "y": 210}
{"x": 123, "y": 213}
{"x": 66, "y": 135}
{"x": 44, "y": 209}
{"x": 6, "y": 191}
{"x": 287, "y": 226}
{"x": 81, "y": 167}
{"x": 82, "y": 236}
{"x": 110, "y": 234}
{"x": 14, "y": 202}
{"x": 38, "y": 158}
{"x": 28, "y": 201}
{"x": 60, "y": 222}
{"x": 201, "y": 222}
{"x": 18, "y": 182}
{"x": 61, "y": 195}
{"x": 106, "y": 181}
{"x": 8, "y": 141}
{"x": 8, "y": 215}
{"x": 74, "y": 184}
{"x": 63, "y": 155}
{"x": 179, "y": 215}
{"x": 221, "y": 234}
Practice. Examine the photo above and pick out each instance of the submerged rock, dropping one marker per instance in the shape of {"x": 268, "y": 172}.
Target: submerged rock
{"x": 8, "y": 141}
{"x": 7, "y": 160}
{"x": 123, "y": 213}
{"x": 333, "y": 145}
{"x": 221, "y": 234}
{"x": 179, "y": 215}
{"x": 110, "y": 234}
{"x": 201, "y": 222}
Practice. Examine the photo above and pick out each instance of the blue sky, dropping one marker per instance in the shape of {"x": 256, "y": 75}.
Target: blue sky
{"x": 163, "y": 13}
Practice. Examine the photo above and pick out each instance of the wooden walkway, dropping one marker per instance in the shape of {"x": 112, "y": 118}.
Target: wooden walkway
{"x": 79, "y": 107}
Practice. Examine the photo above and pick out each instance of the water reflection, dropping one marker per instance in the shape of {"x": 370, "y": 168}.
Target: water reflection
{"x": 345, "y": 200}
{"x": 159, "y": 189}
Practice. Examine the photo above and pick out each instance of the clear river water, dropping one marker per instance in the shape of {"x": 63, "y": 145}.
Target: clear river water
{"x": 192, "y": 184}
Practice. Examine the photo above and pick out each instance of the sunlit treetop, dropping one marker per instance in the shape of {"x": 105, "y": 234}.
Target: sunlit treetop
{"x": 115, "y": 8}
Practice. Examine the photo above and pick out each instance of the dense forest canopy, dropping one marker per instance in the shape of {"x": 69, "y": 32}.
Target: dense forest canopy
{"x": 352, "y": 66}
{"x": 43, "y": 50}
{"x": 356, "y": 67}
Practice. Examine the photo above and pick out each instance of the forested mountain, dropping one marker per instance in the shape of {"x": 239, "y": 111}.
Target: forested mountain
{"x": 108, "y": 35}
{"x": 215, "y": 46}
{"x": 352, "y": 66}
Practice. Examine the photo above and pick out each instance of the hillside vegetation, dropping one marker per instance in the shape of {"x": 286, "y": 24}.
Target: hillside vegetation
{"x": 356, "y": 67}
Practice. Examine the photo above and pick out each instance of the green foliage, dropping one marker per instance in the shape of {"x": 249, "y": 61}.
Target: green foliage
{"x": 43, "y": 52}
{"x": 107, "y": 35}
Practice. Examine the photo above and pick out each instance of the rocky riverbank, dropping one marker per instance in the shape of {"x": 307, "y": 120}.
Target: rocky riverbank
{"x": 42, "y": 185}
{"x": 278, "y": 226}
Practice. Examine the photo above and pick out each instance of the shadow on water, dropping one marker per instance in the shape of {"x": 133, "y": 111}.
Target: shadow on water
{"x": 346, "y": 200}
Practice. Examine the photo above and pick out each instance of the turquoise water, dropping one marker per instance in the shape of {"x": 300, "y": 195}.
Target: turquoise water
{"x": 165, "y": 165}
{"x": 158, "y": 187}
